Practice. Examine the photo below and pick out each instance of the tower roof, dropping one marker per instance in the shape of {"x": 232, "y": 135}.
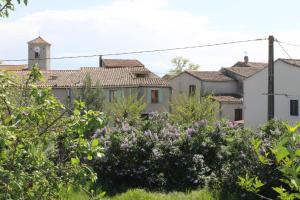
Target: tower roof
{"x": 38, "y": 40}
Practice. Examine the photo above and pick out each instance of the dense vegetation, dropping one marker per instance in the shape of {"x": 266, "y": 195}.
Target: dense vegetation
{"x": 49, "y": 152}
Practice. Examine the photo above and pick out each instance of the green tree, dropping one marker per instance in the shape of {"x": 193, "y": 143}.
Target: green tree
{"x": 43, "y": 150}
{"x": 180, "y": 64}
{"x": 127, "y": 109}
{"x": 7, "y": 5}
{"x": 285, "y": 154}
{"x": 92, "y": 96}
{"x": 188, "y": 109}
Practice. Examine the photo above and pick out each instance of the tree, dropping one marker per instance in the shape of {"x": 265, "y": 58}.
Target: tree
{"x": 190, "y": 109}
{"x": 180, "y": 64}
{"x": 42, "y": 150}
{"x": 127, "y": 109}
{"x": 7, "y": 5}
{"x": 93, "y": 97}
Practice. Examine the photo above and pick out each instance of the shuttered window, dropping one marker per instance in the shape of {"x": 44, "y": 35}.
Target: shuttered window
{"x": 192, "y": 90}
{"x": 238, "y": 114}
{"x": 112, "y": 95}
{"x": 294, "y": 109}
{"x": 154, "y": 96}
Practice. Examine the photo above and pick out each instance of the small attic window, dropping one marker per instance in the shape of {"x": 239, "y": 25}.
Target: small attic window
{"x": 52, "y": 77}
{"x": 141, "y": 74}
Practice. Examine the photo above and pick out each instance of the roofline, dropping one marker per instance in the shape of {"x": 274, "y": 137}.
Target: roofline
{"x": 200, "y": 78}
{"x": 105, "y": 87}
{"x": 284, "y": 60}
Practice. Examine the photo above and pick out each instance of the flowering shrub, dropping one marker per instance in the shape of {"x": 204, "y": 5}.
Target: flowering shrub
{"x": 163, "y": 156}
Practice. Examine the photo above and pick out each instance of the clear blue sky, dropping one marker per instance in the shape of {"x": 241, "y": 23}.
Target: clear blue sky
{"x": 104, "y": 26}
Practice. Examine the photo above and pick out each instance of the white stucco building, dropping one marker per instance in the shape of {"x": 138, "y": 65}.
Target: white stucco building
{"x": 224, "y": 87}
{"x": 227, "y": 85}
{"x": 286, "y": 89}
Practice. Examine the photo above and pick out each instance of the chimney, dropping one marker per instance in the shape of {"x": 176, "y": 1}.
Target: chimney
{"x": 246, "y": 59}
{"x": 100, "y": 61}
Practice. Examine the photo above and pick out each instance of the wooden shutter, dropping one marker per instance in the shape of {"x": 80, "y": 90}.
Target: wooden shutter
{"x": 161, "y": 95}
{"x": 148, "y": 95}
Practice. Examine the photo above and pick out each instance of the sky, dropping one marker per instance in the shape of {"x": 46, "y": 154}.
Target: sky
{"x": 78, "y": 27}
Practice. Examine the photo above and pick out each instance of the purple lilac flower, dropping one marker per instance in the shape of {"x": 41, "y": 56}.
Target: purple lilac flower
{"x": 151, "y": 115}
{"x": 231, "y": 124}
{"x": 96, "y": 133}
{"x": 191, "y": 132}
{"x": 125, "y": 127}
{"x": 125, "y": 144}
{"x": 156, "y": 153}
{"x": 147, "y": 133}
{"x": 104, "y": 131}
{"x": 202, "y": 122}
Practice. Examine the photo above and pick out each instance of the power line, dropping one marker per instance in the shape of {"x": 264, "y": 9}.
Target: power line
{"x": 138, "y": 52}
{"x": 290, "y": 44}
{"x": 284, "y": 50}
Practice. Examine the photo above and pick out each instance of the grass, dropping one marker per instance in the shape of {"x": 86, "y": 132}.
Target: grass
{"x": 138, "y": 194}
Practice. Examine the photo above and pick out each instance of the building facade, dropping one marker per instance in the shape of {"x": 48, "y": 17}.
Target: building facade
{"x": 119, "y": 78}
{"x": 227, "y": 86}
{"x": 286, "y": 89}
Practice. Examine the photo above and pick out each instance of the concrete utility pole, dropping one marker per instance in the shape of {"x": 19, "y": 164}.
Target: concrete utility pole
{"x": 271, "y": 79}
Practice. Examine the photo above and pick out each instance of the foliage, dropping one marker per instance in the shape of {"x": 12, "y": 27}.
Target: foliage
{"x": 188, "y": 109}
{"x": 284, "y": 154}
{"x": 180, "y": 64}
{"x": 92, "y": 96}
{"x": 160, "y": 156}
{"x": 42, "y": 149}
{"x": 7, "y": 5}
{"x": 138, "y": 194}
{"x": 127, "y": 109}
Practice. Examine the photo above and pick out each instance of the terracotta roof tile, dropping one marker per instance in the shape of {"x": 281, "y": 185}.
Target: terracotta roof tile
{"x": 38, "y": 40}
{"x": 107, "y": 77}
{"x": 12, "y": 67}
{"x": 227, "y": 99}
{"x": 246, "y": 69}
{"x": 210, "y": 75}
{"x": 111, "y": 63}
{"x": 295, "y": 62}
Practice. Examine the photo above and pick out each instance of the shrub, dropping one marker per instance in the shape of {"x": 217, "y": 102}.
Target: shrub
{"x": 189, "y": 109}
{"x": 283, "y": 155}
{"x": 41, "y": 148}
{"x": 160, "y": 156}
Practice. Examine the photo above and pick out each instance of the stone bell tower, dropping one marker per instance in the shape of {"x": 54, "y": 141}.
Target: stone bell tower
{"x": 39, "y": 53}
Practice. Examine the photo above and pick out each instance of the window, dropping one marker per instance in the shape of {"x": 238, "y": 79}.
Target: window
{"x": 36, "y": 55}
{"x": 192, "y": 90}
{"x": 154, "y": 96}
{"x": 37, "y": 51}
{"x": 112, "y": 95}
{"x": 238, "y": 114}
{"x": 294, "y": 109}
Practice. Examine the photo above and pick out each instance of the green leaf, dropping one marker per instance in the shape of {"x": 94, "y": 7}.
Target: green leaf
{"x": 293, "y": 129}
{"x": 99, "y": 155}
{"x": 297, "y": 152}
{"x": 75, "y": 161}
{"x": 95, "y": 143}
{"x": 280, "y": 153}
{"x": 90, "y": 157}
{"x": 3, "y": 155}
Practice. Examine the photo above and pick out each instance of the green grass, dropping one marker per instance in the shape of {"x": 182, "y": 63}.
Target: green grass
{"x": 142, "y": 195}
{"x": 138, "y": 194}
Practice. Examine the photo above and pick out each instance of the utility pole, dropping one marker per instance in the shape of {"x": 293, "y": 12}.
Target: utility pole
{"x": 271, "y": 79}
